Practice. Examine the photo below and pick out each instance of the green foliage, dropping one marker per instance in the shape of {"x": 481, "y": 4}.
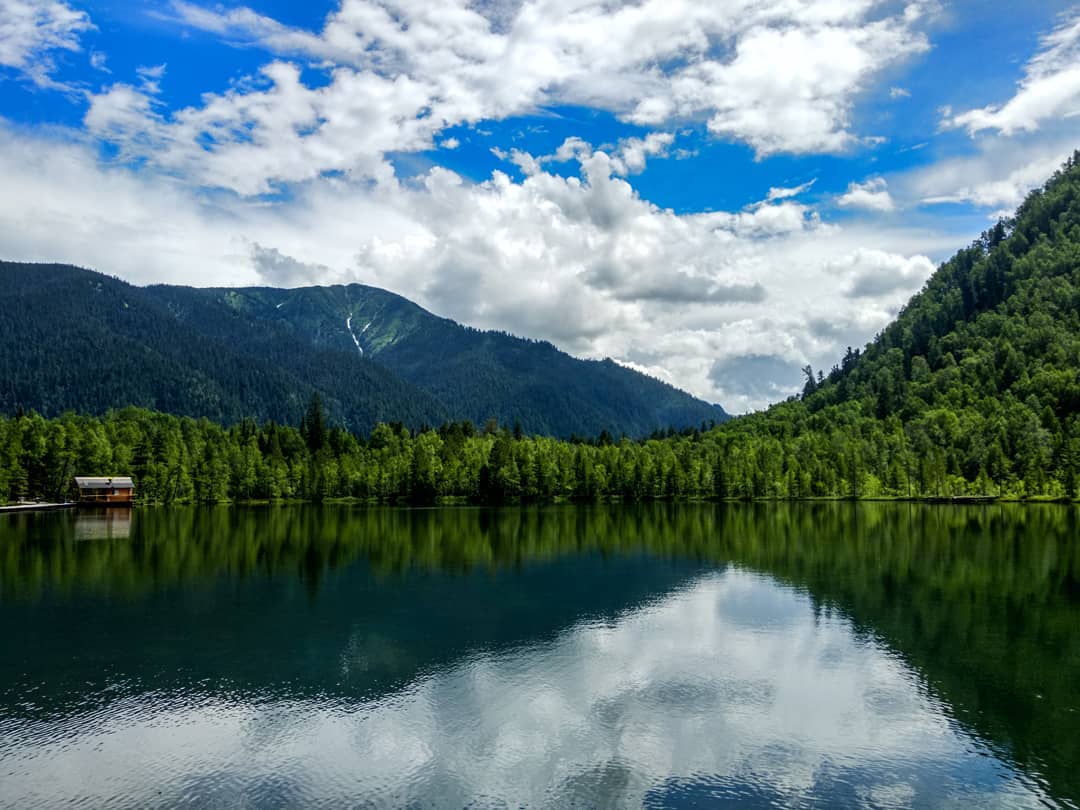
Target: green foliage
{"x": 475, "y": 374}
{"x": 973, "y": 390}
{"x": 75, "y": 340}
{"x": 180, "y": 459}
{"x": 184, "y": 460}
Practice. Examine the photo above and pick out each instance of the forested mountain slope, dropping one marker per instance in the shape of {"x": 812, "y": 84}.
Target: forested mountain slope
{"x": 974, "y": 388}
{"x": 71, "y": 339}
{"x": 475, "y": 374}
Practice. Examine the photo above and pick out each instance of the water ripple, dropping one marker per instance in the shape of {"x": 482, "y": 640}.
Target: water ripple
{"x": 682, "y": 701}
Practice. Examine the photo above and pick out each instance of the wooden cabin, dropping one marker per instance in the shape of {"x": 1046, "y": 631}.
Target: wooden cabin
{"x": 99, "y": 491}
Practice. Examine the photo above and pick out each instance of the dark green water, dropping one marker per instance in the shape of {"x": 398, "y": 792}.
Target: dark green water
{"x": 675, "y": 656}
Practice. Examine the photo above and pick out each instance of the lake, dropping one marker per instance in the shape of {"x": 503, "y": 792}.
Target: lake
{"x": 758, "y": 655}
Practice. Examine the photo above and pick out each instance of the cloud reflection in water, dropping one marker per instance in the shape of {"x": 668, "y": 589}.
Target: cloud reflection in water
{"x": 734, "y": 687}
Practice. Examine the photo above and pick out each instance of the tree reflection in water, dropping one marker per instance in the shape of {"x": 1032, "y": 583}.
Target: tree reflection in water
{"x": 983, "y": 602}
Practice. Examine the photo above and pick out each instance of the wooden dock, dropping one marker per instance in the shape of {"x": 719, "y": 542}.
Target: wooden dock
{"x": 36, "y": 507}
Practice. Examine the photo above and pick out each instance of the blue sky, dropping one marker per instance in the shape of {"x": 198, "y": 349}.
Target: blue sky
{"x": 714, "y": 193}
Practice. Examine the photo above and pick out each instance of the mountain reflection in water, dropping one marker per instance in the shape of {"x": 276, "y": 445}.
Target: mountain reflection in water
{"x": 831, "y": 655}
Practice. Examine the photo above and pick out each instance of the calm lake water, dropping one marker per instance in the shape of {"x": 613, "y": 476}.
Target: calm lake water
{"x": 829, "y": 655}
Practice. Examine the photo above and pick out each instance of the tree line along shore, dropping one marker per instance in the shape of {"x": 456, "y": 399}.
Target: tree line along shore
{"x": 184, "y": 460}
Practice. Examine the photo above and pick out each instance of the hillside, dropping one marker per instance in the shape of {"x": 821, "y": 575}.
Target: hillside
{"x": 71, "y": 339}
{"x": 475, "y": 374}
{"x": 974, "y": 388}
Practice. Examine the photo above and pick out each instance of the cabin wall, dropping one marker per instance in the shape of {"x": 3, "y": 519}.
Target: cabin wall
{"x": 116, "y": 495}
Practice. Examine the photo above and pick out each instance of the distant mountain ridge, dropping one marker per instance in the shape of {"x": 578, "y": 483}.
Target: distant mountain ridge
{"x": 75, "y": 339}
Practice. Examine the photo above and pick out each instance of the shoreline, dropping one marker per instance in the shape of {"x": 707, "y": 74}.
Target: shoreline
{"x": 17, "y": 508}
{"x": 454, "y": 501}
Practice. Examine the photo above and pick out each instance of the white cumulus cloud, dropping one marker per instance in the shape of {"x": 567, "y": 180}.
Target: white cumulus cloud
{"x": 31, "y": 31}
{"x": 1050, "y": 88}
{"x": 871, "y": 195}
{"x": 874, "y": 273}
{"x": 780, "y": 75}
{"x": 998, "y": 177}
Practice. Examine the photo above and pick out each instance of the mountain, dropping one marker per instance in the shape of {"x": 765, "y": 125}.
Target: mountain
{"x": 74, "y": 339}
{"x": 476, "y": 374}
{"x": 974, "y": 388}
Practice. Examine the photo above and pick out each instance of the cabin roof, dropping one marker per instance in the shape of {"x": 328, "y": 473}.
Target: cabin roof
{"x": 101, "y": 482}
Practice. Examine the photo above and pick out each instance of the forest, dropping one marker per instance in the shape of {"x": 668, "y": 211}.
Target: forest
{"x": 184, "y": 460}
{"x": 974, "y": 390}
